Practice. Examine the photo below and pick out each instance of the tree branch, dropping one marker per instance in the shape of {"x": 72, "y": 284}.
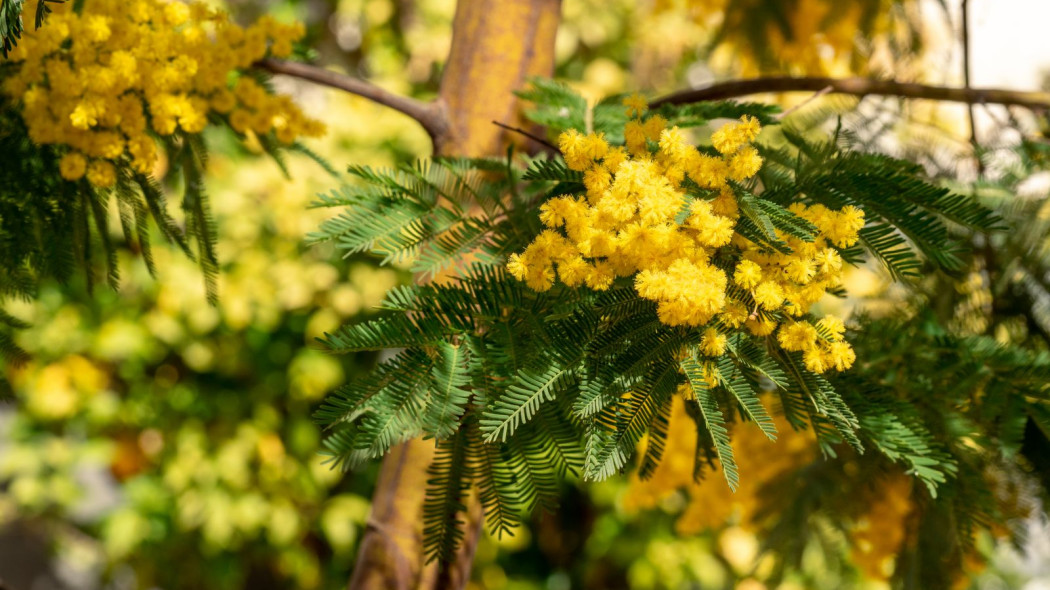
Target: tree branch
{"x": 966, "y": 84}
{"x": 858, "y": 87}
{"x": 429, "y": 115}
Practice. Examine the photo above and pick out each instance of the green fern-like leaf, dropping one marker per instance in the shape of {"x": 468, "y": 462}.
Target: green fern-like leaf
{"x": 732, "y": 380}
{"x": 713, "y": 420}
{"x": 522, "y": 399}
{"x": 445, "y": 499}
{"x": 449, "y": 393}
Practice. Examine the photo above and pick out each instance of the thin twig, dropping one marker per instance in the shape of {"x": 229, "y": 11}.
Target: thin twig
{"x": 550, "y": 146}
{"x": 966, "y": 84}
{"x": 815, "y": 96}
{"x": 429, "y": 115}
{"x": 858, "y": 87}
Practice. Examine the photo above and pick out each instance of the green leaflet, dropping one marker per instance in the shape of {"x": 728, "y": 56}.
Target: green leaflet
{"x": 713, "y": 419}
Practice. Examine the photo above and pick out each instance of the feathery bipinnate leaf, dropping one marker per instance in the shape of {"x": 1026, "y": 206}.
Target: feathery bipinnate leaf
{"x": 714, "y": 421}
{"x": 731, "y": 379}
{"x": 446, "y": 498}
{"x": 522, "y": 398}
{"x": 449, "y": 393}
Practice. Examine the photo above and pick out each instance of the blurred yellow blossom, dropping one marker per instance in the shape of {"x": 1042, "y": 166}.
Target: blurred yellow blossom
{"x": 99, "y": 80}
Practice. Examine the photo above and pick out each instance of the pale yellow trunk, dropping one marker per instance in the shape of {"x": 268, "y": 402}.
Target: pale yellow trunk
{"x": 496, "y": 46}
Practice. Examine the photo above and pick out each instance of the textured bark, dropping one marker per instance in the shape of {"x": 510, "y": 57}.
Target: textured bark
{"x": 496, "y": 46}
{"x": 391, "y": 549}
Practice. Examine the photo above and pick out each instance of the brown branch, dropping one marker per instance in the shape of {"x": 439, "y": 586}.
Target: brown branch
{"x": 858, "y": 87}
{"x": 429, "y": 115}
{"x": 966, "y": 84}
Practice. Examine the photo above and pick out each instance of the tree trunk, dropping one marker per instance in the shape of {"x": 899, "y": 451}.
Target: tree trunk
{"x": 496, "y": 46}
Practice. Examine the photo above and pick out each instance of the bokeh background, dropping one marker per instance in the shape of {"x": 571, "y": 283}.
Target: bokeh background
{"x": 156, "y": 441}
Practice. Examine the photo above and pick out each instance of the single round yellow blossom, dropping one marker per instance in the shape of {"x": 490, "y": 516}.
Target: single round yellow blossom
{"x": 734, "y": 315}
{"x": 72, "y": 166}
{"x": 540, "y": 279}
{"x": 601, "y": 276}
{"x": 761, "y": 326}
{"x": 769, "y": 295}
{"x": 594, "y": 146}
{"x": 517, "y": 267}
{"x": 748, "y": 274}
{"x": 833, "y": 326}
{"x": 799, "y": 336}
{"x": 840, "y": 355}
{"x": 673, "y": 145}
{"x": 574, "y": 271}
{"x": 571, "y": 144}
{"x": 101, "y": 174}
{"x": 744, "y": 164}
{"x": 801, "y": 270}
{"x": 176, "y": 13}
{"x": 814, "y": 360}
{"x": 828, "y": 261}
{"x": 725, "y": 205}
{"x": 712, "y": 343}
{"x": 597, "y": 180}
{"x": 552, "y": 212}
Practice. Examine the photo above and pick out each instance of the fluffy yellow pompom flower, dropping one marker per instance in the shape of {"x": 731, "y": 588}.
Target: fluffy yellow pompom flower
{"x": 735, "y": 136}
{"x": 97, "y": 80}
{"x": 517, "y": 267}
{"x": 744, "y": 164}
{"x": 712, "y": 343}
{"x": 748, "y": 274}
{"x": 102, "y": 174}
{"x": 72, "y": 166}
{"x": 769, "y": 295}
{"x": 840, "y": 355}
{"x": 799, "y": 336}
{"x": 814, "y": 360}
{"x": 833, "y": 326}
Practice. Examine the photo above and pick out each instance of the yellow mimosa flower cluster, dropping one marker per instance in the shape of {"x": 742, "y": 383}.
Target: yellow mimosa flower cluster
{"x": 108, "y": 80}
{"x": 638, "y": 219}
